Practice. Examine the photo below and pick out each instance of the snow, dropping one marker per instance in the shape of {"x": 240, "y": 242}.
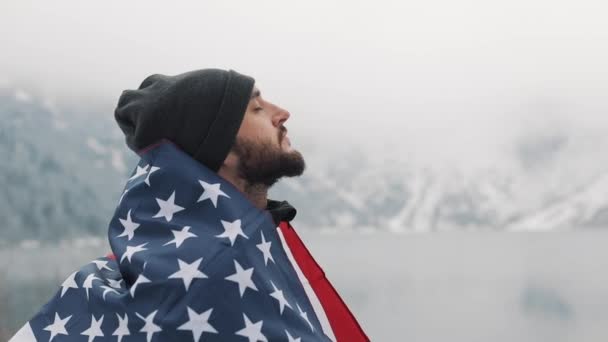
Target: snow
{"x": 60, "y": 124}
{"x": 22, "y": 96}
{"x": 95, "y": 146}
{"x": 118, "y": 160}
{"x": 576, "y": 209}
{"x": 29, "y": 244}
{"x": 338, "y": 190}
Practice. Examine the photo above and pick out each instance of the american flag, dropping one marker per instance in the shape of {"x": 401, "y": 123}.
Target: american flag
{"x": 193, "y": 260}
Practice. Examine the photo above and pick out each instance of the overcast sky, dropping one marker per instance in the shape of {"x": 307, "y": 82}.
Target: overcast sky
{"x": 433, "y": 79}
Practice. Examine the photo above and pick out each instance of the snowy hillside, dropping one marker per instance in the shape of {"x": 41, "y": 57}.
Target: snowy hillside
{"x": 587, "y": 207}
{"x": 64, "y": 169}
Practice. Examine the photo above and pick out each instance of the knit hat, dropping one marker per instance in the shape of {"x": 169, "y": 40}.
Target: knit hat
{"x": 200, "y": 111}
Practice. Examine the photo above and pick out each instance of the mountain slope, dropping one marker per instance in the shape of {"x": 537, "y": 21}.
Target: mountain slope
{"x": 64, "y": 170}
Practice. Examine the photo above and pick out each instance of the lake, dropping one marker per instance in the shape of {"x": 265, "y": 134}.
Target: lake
{"x": 460, "y": 286}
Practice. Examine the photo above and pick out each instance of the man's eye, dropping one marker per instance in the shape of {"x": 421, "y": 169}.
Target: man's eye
{"x": 257, "y": 109}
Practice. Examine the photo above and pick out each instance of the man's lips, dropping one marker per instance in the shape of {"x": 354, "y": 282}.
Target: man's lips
{"x": 284, "y": 136}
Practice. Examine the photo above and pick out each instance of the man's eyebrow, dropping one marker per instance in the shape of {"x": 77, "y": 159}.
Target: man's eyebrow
{"x": 255, "y": 93}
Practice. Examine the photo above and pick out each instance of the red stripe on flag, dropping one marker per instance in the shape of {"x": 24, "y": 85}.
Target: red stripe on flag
{"x": 344, "y": 325}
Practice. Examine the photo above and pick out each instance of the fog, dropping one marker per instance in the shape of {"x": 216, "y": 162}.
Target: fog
{"x": 440, "y": 81}
{"x": 516, "y": 86}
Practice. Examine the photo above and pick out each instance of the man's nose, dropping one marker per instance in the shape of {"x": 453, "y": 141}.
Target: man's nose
{"x": 280, "y": 116}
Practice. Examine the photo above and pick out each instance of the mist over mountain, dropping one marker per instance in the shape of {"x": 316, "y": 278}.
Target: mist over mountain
{"x": 65, "y": 166}
{"x": 62, "y": 171}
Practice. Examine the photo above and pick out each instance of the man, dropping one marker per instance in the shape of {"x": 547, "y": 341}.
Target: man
{"x": 199, "y": 252}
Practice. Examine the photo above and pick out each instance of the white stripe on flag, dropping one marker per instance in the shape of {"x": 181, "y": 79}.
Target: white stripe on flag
{"x": 316, "y": 304}
{"x": 25, "y": 334}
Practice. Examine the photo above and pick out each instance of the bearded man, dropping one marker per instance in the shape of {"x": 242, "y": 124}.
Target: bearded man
{"x": 199, "y": 253}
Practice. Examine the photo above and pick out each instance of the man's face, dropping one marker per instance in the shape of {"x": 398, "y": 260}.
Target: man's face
{"x": 262, "y": 146}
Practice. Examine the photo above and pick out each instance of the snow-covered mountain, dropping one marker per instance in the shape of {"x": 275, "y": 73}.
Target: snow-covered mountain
{"x": 54, "y": 182}
{"x": 64, "y": 168}
{"x": 587, "y": 207}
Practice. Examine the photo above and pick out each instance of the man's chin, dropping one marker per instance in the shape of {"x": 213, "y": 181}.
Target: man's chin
{"x": 264, "y": 163}
{"x": 293, "y": 163}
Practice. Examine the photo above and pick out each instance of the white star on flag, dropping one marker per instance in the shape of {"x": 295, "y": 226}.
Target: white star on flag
{"x": 305, "y": 316}
{"x": 129, "y": 226}
{"x": 152, "y": 170}
{"x": 265, "y": 248}
{"x": 198, "y": 323}
{"x": 253, "y": 331}
{"x": 69, "y": 283}
{"x": 290, "y": 338}
{"x": 211, "y": 192}
{"x": 58, "y": 326}
{"x": 140, "y": 171}
{"x": 278, "y": 295}
{"x": 115, "y": 283}
{"x": 232, "y": 230}
{"x": 180, "y": 235}
{"x": 106, "y": 290}
{"x": 95, "y": 329}
{"x": 132, "y": 250}
{"x": 123, "y": 327}
{"x": 149, "y": 328}
{"x": 102, "y": 264}
{"x": 187, "y": 272}
{"x": 243, "y": 278}
{"x": 88, "y": 283}
{"x": 141, "y": 279}
{"x": 167, "y": 208}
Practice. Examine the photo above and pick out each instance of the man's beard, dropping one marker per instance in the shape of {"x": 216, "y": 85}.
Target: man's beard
{"x": 262, "y": 163}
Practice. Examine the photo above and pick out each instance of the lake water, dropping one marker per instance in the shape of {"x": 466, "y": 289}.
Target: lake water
{"x": 409, "y": 287}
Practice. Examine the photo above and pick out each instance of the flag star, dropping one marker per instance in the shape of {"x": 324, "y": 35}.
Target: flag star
{"x": 115, "y": 283}
{"x": 290, "y": 338}
{"x": 253, "y": 331}
{"x": 141, "y": 279}
{"x": 123, "y": 327}
{"x": 168, "y": 207}
{"x": 102, "y": 264}
{"x": 132, "y": 250}
{"x": 69, "y": 283}
{"x": 149, "y": 328}
{"x": 58, "y": 326}
{"x": 108, "y": 289}
{"x": 232, "y": 230}
{"x": 265, "y": 248}
{"x": 198, "y": 324}
{"x": 278, "y": 295}
{"x": 211, "y": 192}
{"x": 140, "y": 171}
{"x": 95, "y": 329}
{"x": 187, "y": 272}
{"x": 88, "y": 283}
{"x": 243, "y": 278}
{"x": 305, "y": 316}
{"x": 129, "y": 226}
{"x": 152, "y": 170}
{"x": 180, "y": 235}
